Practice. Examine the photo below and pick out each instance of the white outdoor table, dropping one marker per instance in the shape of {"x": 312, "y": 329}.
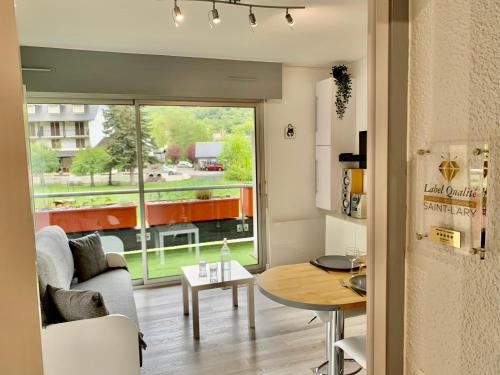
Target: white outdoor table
{"x": 176, "y": 229}
{"x": 237, "y": 276}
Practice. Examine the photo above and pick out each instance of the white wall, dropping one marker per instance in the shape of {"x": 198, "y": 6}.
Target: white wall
{"x": 295, "y": 225}
{"x": 453, "y": 301}
{"x": 20, "y": 344}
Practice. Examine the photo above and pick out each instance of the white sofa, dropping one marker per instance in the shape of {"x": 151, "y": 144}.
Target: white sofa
{"x": 105, "y": 345}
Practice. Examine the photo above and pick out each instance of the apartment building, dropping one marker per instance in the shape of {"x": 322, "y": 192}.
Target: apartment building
{"x": 63, "y": 127}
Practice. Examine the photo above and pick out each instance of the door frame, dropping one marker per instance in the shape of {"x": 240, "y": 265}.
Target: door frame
{"x": 136, "y": 102}
{"x": 388, "y": 45}
{"x": 260, "y": 230}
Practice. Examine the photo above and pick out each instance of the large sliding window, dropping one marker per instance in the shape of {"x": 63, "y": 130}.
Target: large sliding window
{"x": 162, "y": 183}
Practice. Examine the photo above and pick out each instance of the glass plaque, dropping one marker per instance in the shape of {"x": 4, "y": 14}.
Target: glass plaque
{"x": 452, "y": 194}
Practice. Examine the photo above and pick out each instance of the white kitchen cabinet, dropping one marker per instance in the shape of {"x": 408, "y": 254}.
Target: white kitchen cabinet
{"x": 333, "y": 137}
{"x": 324, "y": 99}
{"x": 323, "y": 177}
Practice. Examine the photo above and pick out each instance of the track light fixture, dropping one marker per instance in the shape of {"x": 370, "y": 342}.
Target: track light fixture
{"x": 289, "y": 18}
{"x": 177, "y": 12}
{"x": 252, "y": 18}
{"x": 213, "y": 15}
{"x": 214, "y": 18}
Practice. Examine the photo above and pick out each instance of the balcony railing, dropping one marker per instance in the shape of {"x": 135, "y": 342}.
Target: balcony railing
{"x": 136, "y": 191}
{"x": 124, "y": 221}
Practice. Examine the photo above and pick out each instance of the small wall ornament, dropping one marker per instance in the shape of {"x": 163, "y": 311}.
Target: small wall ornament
{"x": 290, "y": 132}
{"x": 344, "y": 88}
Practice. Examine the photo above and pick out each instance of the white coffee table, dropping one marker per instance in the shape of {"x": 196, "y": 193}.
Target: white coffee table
{"x": 237, "y": 276}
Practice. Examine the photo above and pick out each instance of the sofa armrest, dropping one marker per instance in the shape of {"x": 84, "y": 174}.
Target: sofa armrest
{"x": 105, "y": 345}
{"x": 116, "y": 260}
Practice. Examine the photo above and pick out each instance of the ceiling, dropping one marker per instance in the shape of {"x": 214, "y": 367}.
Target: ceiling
{"x": 327, "y": 31}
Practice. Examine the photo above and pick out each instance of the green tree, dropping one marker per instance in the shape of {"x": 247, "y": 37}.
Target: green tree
{"x": 222, "y": 120}
{"x": 176, "y": 125}
{"x": 43, "y": 160}
{"x": 89, "y": 161}
{"x": 236, "y": 155}
{"x": 119, "y": 127}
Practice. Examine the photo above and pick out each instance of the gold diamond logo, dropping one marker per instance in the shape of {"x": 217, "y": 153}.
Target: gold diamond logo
{"x": 449, "y": 169}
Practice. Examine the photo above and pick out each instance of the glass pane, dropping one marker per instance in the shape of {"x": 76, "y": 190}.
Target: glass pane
{"x": 84, "y": 171}
{"x": 199, "y": 185}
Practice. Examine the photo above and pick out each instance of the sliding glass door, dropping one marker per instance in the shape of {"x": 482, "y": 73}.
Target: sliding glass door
{"x": 162, "y": 183}
{"x": 198, "y": 185}
{"x": 85, "y": 174}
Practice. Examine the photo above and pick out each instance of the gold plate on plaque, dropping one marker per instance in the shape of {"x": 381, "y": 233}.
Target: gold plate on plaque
{"x": 446, "y": 236}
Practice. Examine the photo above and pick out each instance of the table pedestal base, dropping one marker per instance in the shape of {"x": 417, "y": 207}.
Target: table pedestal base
{"x": 334, "y": 364}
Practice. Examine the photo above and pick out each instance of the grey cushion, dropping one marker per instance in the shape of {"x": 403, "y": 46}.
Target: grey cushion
{"x": 115, "y": 287}
{"x": 55, "y": 264}
{"x": 88, "y": 256}
{"x": 70, "y": 305}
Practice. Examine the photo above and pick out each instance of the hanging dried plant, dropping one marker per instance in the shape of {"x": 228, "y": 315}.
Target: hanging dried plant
{"x": 344, "y": 88}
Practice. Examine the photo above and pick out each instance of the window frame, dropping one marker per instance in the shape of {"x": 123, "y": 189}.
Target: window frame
{"x": 258, "y": 105}
{"x": 80, "y": 143}
{"x": 56, "y": 142}
{"x": 55, "y": 125}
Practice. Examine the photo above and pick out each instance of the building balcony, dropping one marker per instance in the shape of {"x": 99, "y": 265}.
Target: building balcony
{"x": 167, "y": 213}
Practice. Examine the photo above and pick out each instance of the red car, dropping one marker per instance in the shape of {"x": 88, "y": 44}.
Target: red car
{"x": 215, "y": 166}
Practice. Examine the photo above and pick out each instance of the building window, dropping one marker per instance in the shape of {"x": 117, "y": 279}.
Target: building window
{"x": 78, "y": 108}
{"x": 80, "y": 143}
{"x": 79, "y": 128}
{"x": 54, "y": 109}
{"x": 55, "y": 129}
{"x": 56, "y": 144}
{"x": 31, "y": 109}
{"x": 32, "y": 130}
{"x": 39, "y": 132}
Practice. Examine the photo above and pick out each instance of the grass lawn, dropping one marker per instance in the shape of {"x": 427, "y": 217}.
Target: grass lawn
{"x": 175, "y": 259}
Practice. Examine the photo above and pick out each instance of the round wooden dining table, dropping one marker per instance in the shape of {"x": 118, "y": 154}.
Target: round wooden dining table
{"x": 305, "y": 286}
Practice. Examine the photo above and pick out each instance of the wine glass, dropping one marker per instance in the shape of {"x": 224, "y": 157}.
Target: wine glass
{"x": 352, "y": 253}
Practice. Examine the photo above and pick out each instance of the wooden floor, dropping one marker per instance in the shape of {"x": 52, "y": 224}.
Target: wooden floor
{"x": 282, "y": 343}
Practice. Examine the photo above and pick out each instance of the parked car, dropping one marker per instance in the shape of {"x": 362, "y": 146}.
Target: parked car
{"x": 169, "y": 170}
{"x": 213, "y": 166}
{"x": 184, "y": 164}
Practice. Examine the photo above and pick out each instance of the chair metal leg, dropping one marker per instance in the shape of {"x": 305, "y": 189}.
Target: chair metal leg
{"x": 319, "y": 370}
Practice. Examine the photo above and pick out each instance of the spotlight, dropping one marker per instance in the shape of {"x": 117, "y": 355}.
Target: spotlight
{"x": 178, "y": 16}
{"x": 289, "y": 19}
{"x": 214, "y": 13}
{"x": 251, "y": 17}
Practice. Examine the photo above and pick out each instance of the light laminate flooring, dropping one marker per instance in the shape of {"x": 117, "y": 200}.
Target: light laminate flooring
{"x": 282, "y": 343}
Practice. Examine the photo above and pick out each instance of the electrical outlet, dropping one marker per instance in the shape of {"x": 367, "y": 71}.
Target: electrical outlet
{"x": 138, "y": 237}
{"x": 246, "y": 227}
{"x": 239, "y": 228}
